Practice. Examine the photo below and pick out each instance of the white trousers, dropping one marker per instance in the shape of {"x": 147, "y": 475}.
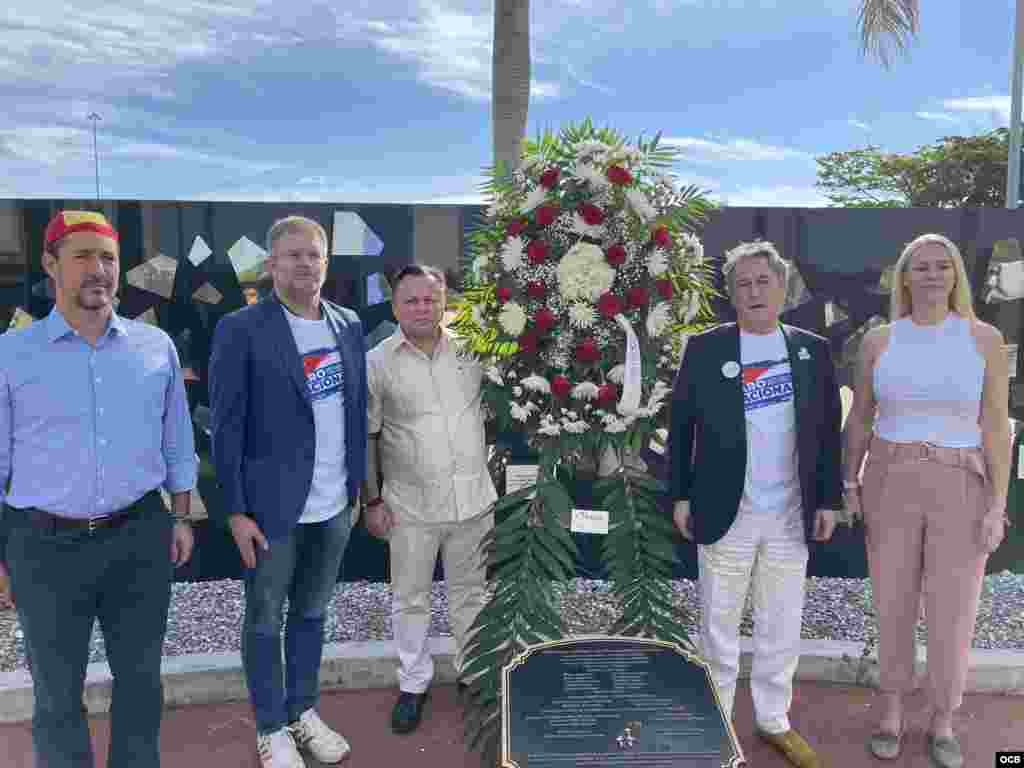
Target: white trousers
{"x": 414, "y": 549}
{"x": 770, "y": 554}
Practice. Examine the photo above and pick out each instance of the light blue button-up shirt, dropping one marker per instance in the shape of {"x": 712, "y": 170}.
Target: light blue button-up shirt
{"x": 86, "y": 431}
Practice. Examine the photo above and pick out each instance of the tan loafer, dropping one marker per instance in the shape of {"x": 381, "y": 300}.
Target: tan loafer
{"x": 791, "y": 744}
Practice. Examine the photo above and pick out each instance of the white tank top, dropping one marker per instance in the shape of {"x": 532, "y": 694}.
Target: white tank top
{"x": 928, "y": 384}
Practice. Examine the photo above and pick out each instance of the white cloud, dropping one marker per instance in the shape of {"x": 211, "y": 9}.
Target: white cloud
{"x": 997, "y": 105}
{"x": 735, "y": 150}
{"x": 859, "y": 124}
{"x": 147, "y": 150}
{"x": 44, "y": 145}
{"x": 938, "y": 117}
{"x": 586, "y": 82}
{"x": 781, "y": 196}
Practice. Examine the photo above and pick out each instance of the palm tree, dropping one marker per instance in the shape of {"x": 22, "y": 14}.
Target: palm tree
{"x": 510, "y": 78}
{"x": 885, "y": 25}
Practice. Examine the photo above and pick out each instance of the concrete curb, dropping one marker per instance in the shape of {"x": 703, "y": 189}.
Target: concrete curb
{"x": 211, "y": 678}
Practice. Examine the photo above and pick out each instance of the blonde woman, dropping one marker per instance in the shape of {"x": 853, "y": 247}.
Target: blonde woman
{"x": 934, "y": 485}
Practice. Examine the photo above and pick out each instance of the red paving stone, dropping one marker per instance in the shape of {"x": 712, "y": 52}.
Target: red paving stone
{"x": 835, "y": 719}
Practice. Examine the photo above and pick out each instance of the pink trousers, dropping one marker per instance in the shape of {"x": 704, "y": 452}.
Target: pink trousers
{"x": 922, "y": 511}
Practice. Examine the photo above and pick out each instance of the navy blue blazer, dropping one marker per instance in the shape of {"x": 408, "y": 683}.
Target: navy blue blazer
{"x": 708, "y": 435}
{"x": 264, "y": 437}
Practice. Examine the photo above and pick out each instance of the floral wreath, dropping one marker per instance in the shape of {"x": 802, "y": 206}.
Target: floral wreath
{"x": 588, "y": 275}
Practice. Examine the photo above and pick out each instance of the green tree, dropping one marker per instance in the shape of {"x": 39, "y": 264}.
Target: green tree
{"x": 953, "y": 172}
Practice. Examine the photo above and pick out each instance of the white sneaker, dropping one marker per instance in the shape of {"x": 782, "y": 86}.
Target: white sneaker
{"x": 312, "y": 733}
{"x": 277, "y": 750}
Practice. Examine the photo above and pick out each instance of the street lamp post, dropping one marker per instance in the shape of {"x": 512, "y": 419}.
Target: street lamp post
{"x": 1016, "y": 84}
{"x": 95, "y": 118}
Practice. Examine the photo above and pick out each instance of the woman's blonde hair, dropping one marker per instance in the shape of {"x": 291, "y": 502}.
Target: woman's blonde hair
{"x": 959, "y": 300}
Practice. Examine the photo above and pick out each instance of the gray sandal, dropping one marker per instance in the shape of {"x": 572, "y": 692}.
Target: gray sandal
{"x": 885, "y": 745}
{"x": 945, "y": 752}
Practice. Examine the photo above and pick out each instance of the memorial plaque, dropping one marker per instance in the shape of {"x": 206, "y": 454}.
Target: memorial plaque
{"x": 613, "y": 701}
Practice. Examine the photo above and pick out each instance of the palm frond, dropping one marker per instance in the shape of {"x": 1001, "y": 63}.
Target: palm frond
{"x": 887, "y": 26}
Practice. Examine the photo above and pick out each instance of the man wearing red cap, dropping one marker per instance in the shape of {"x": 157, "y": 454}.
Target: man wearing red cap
{"x": 93, "y": 422}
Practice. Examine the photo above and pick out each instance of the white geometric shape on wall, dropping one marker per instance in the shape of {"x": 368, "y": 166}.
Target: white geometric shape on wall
{"x": 149, "y": 316}
{"x": 20, "y": 319}
{"x": 199, "y": 252}
{"x": 155, "y": 276}
{"x": 207, "y": 294}
{"x": 353, "y": 236}
{"x": 247, "y": 259}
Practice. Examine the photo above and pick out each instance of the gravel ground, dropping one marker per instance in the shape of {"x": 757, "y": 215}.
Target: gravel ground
{"x": 207, "y": 617}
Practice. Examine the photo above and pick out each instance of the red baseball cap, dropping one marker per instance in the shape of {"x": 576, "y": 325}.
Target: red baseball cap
{"x": 66, "y": 222}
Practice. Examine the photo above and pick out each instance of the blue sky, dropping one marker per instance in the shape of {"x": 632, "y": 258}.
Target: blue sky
{"x": 360, "y": 101}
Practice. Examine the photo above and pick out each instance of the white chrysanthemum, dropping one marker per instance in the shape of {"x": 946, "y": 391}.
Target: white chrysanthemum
{"x": 657, "y": 262}
{"x": 693, "y": 308}
{"x": 517, "y": 391}
{"x": 659, "y": 319}
{"x": 522, "y": 412}
{"x": 617, "y": 374}
{"x": 575, "y": 427}
{"x": 640, "y": 205}
{"x": 528, "y": 163}
{"x": 694, "y": 246}
{"x": 535, "y": 383}
{"x": 550, "y": 429}
{"x": 591, "y": 147}
{"x": 512, "y": 319}
{"x": 580, "y": 227}
{"x": 616, "y": 425}
{"x": 583, "y": 273}
{"x": 492, "y": 209}
{"x": 477, "y": 314}
{"x": 535, "y": 198}
{"x": 512, "y": 253}
{"x": 586, "y": 390}
{"x": 494, "y": 375}
{"x": 608, "y": 418}
{"x": 588, "y": 173}
{"x": 482, "y": 261}
{"x": 582, "y": 315}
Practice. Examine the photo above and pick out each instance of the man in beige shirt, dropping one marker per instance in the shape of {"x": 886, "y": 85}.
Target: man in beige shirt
{"x": 426, "y": 428}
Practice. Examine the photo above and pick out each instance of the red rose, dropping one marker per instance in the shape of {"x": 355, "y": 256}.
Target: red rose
{"x": 607, "y": 394}
{"x": 536, "y": 252}
{"x": 528, "y": 341}
{"x": 535, "y": 289}
{"x": 544, "y": 319}
{"x": 591, "y": 214}
{"x": 662, "y": 237}
{"x": 609, "y": 305}
{"x": 615, "y": 255}
{"x": 587, "y": 351}
{"x": 637, "y": 296}
{"x": 514, "y": 227}
{"x": 504, "y": 293}
{"x": 619, "y": 175}
{"x": 561, "y": 386}
{"x": 546, "y": 215}
{"x": 549, "y": 178}
{"x": 664, "y": 287}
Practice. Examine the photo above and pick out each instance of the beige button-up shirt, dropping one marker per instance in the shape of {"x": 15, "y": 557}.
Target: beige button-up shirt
{"x": 429, "y": 414}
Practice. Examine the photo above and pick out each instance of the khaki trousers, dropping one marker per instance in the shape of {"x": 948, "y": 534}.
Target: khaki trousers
{"x": 414, "y": 549}
{"x": 922, "y": 511}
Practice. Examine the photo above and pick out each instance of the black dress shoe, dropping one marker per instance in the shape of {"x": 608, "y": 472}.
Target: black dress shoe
{"x": 408, "y": 711}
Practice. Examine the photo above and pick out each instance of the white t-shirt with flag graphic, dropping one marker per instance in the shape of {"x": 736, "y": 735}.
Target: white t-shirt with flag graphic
{"x": 325, "y": 388}
{"x": 772, "y": 484}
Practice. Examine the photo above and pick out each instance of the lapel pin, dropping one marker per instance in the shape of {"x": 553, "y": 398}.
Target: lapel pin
{"x": 731, "y": 369}
{"x": 803, "y": 354}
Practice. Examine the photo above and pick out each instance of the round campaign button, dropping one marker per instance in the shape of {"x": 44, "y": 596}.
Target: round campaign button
{"x": 731, "y": 369}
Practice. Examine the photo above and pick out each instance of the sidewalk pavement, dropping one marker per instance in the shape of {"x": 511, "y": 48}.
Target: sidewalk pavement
{"x": 835, "y": 719}
{"x": 208, "y": 721}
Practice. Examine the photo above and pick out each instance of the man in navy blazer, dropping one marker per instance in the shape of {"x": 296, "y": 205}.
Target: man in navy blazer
{"x": 288, "y": 409}
{"x": 755, "y": 478}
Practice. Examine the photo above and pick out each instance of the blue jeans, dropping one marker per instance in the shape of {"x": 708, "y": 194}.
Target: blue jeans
{"x": 302, "y": 566}
{"x": 64, "y": 581}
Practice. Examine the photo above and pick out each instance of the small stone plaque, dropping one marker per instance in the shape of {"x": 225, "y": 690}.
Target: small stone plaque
{"x": 613, "y": 701}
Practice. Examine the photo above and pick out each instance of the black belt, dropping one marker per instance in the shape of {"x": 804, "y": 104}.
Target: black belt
{"x": 40, "y": 518}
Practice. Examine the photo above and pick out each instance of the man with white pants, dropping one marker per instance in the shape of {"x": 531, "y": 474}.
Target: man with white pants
{"x": 426, "y": 427}
{"x": 755, "y": 477}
